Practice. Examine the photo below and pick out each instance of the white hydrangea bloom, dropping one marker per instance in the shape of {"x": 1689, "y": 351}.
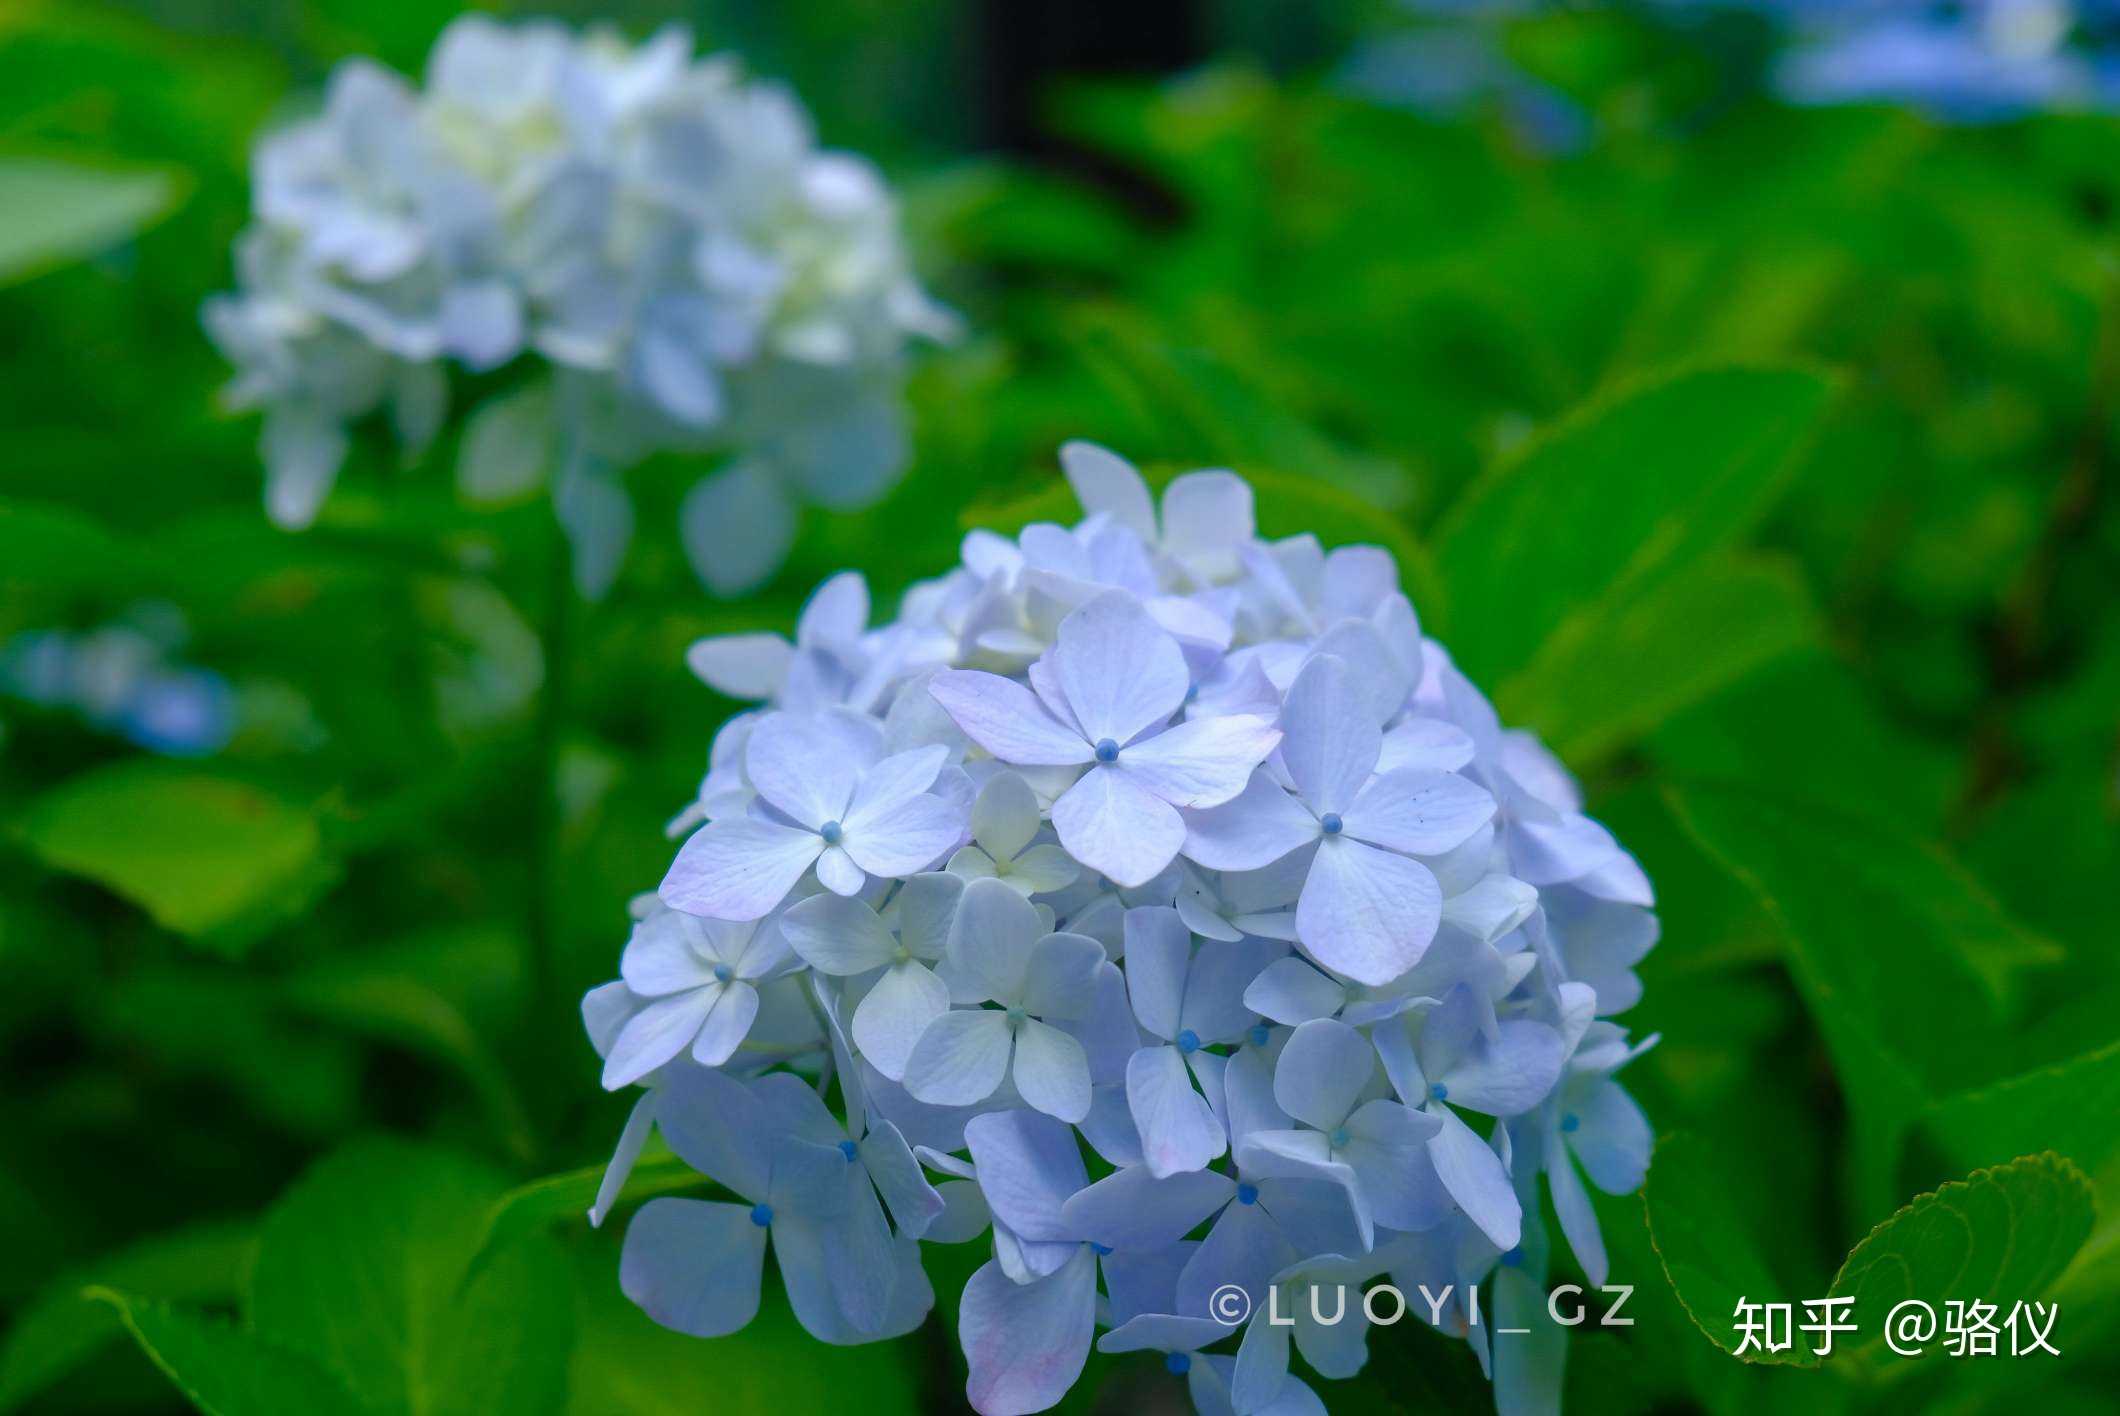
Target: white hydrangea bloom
{"x": 657, "y": 244}
{"x": 1157, "y": 837}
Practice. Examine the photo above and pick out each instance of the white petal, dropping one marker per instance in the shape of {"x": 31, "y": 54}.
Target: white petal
{"x": 960, "y": 1059}
{"x": 741, "y": 666}
{"x": 1473, "y": 1175}
{"x": 1158, "y": 954}
{"x": 836, "y": 935}
{"x": 1025, "y": 1343}
{"x": 1051, "y": 1071}
{"x": 891, "y": 783}
{"x": 1004, "y": 816}
{"x": 908, "y": 838}
{"x": 800, "y": 763}
{"x": 727, "y": 1024}
{"x": 837, "y": 872}
{"x": 656, "y": 1034}
{"x": 1291, "y": 991}
{"x": 890, "y": 1021}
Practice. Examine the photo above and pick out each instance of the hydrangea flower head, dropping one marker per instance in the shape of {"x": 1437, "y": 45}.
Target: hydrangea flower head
{"x": 1149, "y": 838}
{"x": 655, "y": 246}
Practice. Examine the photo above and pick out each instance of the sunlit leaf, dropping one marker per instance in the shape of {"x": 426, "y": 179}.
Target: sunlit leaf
{"x": 198, "y": 851}
{"x": 59, "y": 211}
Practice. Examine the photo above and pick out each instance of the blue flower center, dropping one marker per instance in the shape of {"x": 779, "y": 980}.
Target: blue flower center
{"x": 1571, "y": 1121}
{"x": 1100, "y": 1249}
{"x": 1337, "y": 1138}
{"x": 1188, "y": 1041}
{"x": 1107, "y": 750}
{"x": 1247, "y": 1193}
{"x": 849, "y": 1150}
{"x": 1179, "y": 1363}
{"x": 761, "y": 1215}
{"x": 831, "y": 831}
{"x": 1439, "y": 1092}
{"x": 723, "y": 973}
{"x": 1514, "y": 1258}
{"x": 1331, "y": 822}
{"x": 1259, "y": 1034}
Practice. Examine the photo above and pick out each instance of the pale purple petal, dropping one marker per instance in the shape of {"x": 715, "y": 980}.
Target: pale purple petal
{"x": 1255, "y": 828}
{"x": 890, "y": 1021}
{"x": 1323, "y": 1071}
{"x": 1292, "y": 991}
{"x": 692, "y": 1266}
{"x": 656, "y": 1034}
{"x": 727, "y": 1023}
{"x": 1179, "y": 1130}
{"x": 1121, "y": 672}
{"x": 801, "y": 763}
{"x": 1115, "y": 827}
{"x": 960, "y": 1059}
{"x": 1158, "y": 954}
{"x": 1025, "y": 1343}
{"x": 1028, "y": 1165}
{"x": 1004, "y": 717}
{"x": 1201, "y": 763}
{"x": 1061, "y": 980}
{"x": 1473, "y": 1175}
{"x": 1051, "y": 1072}
{"x": 837, "y": 936}
{"x": 1367, "y": 913}
{"x": 747, "y": 667}
{"x": 1420, "y": 813}
{"x": 907, "y": 837}
{"x": 738, "y": 869}
{"x": 1330, "y": 742}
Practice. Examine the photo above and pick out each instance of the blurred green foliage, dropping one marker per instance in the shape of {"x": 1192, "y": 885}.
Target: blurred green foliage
{"x": 1761, "y": 459}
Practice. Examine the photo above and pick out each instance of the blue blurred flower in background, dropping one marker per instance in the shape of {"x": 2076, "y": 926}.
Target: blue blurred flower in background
{"x": 121, "y": 679}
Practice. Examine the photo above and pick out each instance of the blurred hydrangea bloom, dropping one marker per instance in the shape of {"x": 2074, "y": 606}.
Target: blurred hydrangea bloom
{"x": 122, "y": 678}
{"x": 1970, "y": 61}
{"x": 655, "y": 244}
{"x": 1156, "y": 837}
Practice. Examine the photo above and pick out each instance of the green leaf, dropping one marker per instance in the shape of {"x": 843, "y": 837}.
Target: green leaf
{"x": 203, "y": 854}
{"x": 58, "y": 211}
{"x": 530, "y": 1207}
{"x": 1710, "y": 1246}
{"x": 366, "y": 1265}
{"x": 1999, "y": 1236}
{"x": 2067, "y": 1108}
{"x": 417, "y": 995}
{"x": 1616, "y": 502}
{"x": 625, "y": 1365}
{"x": 1907, "y": 965}
{"x": 1709, "y": 626}
{"x": 51, "y": 548}
{"x": 63, "y": 1328}
{"x": 223, "y": 1370}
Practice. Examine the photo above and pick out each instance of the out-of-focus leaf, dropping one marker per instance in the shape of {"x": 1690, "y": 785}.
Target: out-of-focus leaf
{"x": 203, "y": 854}
{"x": 50, "y": 548}
{"x": 222, "y": 1369}
{"x": 624, "y": 1365}
{"x": 1710, "y": 1248}
{"x": 566, "y": 1197}
{"x": 366, "y": 1265}
{"x": 1808, "y": 719}
{"x": 60, "y": 211}
{"x": 62, "y": 1329}
{"x": 1615, "y": 503}
{"x": 414, "y": 995}
{"x": 2069, "y": 1109}
{"x": 1999, "y": 1236}
{"x": 1707, "y": 627}
{"x": 1906, "y": 963}
{"x": 507, "y": 448}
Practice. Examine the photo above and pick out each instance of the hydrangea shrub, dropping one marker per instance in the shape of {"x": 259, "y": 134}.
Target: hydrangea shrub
{"x": 1150, "y": 902}
{"x": 654, "y": 243}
